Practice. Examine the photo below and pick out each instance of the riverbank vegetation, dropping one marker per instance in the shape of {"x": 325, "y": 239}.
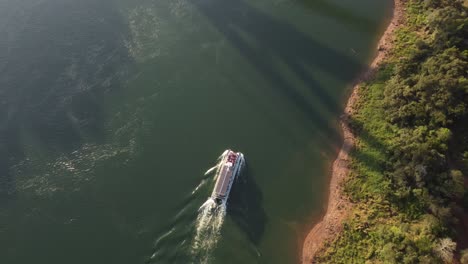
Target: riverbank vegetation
{"x": 411, "y": 153}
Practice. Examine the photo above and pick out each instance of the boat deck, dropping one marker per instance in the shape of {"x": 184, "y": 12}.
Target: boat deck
{"x": 224, "y": 180}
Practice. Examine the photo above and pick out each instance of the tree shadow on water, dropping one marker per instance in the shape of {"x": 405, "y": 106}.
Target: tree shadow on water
{"x": 245, "y": 206}
{"x": 341, "y": 14}
{"x": 264, "y": 40}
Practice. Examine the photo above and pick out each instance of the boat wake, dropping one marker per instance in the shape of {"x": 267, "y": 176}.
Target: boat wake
{"x": 190, "y": 241}
{"x": 217, "y": 166}
{"x": 211, "y": 214}
{"x": 208, "y": 230}
{"x": 203, "y": 227}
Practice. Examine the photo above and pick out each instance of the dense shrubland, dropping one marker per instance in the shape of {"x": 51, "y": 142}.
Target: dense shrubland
{"x": 411, "y": 155}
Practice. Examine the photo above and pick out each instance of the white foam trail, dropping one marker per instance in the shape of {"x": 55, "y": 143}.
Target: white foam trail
{"x": 208, "y": 229}
{"x": 199, "y": 186}
{"x": 217, "y": 166}
{"x": 207, "y": 203}
{"x": 224, "y": 154}
{"x": 211, "y": 169}
{"x": 159, "y": 240}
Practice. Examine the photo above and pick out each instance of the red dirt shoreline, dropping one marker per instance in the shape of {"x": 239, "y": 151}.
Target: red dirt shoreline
{"x": 338, "y": 205}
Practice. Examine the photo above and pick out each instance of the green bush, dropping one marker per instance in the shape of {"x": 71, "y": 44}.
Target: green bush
{"x": 406, "y": 121}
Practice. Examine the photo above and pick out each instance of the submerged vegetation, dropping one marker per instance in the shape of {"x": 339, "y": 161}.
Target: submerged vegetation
{"x": 411, "y": 153}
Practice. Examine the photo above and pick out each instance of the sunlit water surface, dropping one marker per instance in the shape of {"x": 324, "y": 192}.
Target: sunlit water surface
{"x": 111, "y": 112}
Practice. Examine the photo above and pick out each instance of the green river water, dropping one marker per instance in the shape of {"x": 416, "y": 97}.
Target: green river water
{"x": 111, "y": 111}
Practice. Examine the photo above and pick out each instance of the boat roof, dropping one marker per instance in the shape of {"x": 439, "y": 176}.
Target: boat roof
{"x": 224, "y": 179}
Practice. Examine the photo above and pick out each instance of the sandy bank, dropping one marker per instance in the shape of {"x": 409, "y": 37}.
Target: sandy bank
{"x": 338, "y": 205}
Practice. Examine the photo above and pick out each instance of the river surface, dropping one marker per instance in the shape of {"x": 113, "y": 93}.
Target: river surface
{"x": 111, "y": 111}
